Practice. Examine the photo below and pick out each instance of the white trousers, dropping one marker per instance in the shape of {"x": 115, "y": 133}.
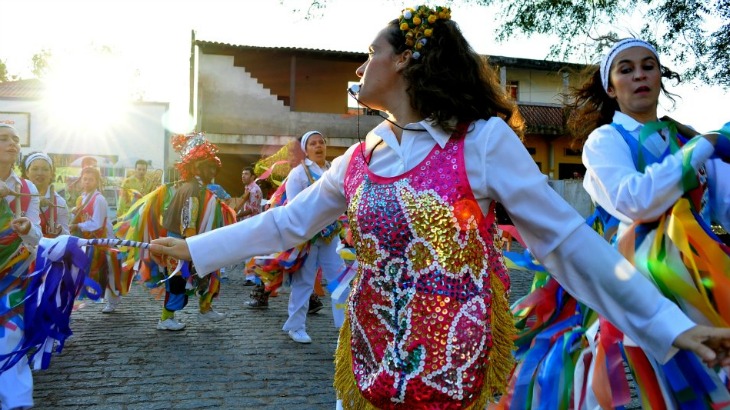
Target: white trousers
{"x": 16, "y": 383}
{"x": 324, "y": 255}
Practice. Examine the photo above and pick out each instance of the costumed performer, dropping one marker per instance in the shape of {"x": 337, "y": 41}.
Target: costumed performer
{"x": 193, "y": 210}
{"x": 90, "y": 219}
{"x": 135, "y": 187}
{"x": 428, "y": 322}
{"x": 666, "y": 185}
{"x": 38, "y": 168}
{"x": 323, "y": 249}
{"x": 20, "y": 232}
{"x": 643, "y": 183}
{"x": 250, "y": 205}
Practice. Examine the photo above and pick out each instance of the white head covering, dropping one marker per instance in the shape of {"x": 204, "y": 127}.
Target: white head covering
{"x": 37, "y": 155}
{"x": 617, "y": 48}
{"x": 305, "y": 137}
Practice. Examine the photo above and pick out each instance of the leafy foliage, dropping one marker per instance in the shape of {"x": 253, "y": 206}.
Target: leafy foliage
{"x": 41, "y": 63}
{"x": 3, "y": 71}
{"x": 683, "y": 30}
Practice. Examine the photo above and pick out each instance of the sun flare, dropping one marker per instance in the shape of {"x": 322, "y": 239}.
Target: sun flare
{"x": 91, "y": 90}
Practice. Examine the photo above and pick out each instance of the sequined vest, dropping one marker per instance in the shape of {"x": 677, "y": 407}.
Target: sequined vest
{"x": 420, "y": 313}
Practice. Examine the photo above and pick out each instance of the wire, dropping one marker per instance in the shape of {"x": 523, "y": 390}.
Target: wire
{"x": 353, "y": 91}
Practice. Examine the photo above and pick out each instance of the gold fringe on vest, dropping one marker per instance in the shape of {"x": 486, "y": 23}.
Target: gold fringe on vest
{"x": 501, "y": 359}
{"x": 345, "y": 384}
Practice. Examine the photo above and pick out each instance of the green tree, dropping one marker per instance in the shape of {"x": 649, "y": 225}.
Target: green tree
{"x": 694, "y": 35}
{"x": 3, "y": 72}
{"x": 41, "y": 63}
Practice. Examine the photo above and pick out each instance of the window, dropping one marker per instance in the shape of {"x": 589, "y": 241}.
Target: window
{"x": 569, "y": 152}
{"x": 512, "y": 89}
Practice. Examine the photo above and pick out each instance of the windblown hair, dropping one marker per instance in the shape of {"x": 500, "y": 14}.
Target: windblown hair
{"x": 451, "y": 81}
{"x": 589, "y": 106}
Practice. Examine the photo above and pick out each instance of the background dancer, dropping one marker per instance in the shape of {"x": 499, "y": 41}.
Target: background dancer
{"x": 20, "y": 233}
{"x": 188, "y": 214}
{"x": 38, "y": 168}
{"x": 90, "y": 220}
{"x": 666, "y": 189}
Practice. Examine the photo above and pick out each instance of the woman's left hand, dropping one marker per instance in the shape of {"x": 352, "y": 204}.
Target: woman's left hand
{"x": 175, "y": 247}
{"x": 711, "y": 344}
{"x": 21, "y": 225}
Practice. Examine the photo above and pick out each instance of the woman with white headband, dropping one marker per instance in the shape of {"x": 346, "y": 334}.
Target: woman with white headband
{"x": 662, "y": 189}
{"x": 666, "y": 185}
{"x": 323, "y": 247}
{"x": 20, "y": 233}
{"x": 38, "y": 167}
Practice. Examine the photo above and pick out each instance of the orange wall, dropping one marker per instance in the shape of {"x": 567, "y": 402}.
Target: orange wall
{"x": 320, "y": 85}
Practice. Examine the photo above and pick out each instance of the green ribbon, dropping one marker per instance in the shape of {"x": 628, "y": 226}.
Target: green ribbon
{"x": 689, "y": 175}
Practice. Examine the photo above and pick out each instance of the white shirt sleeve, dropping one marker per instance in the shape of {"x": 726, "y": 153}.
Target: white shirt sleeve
{"x": 615, "y": 184}
{"x": 583, "y": 262}
{"x": 276, "y": 229}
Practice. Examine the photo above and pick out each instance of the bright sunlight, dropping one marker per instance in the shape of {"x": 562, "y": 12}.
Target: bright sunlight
{"x": 91, "y": 90}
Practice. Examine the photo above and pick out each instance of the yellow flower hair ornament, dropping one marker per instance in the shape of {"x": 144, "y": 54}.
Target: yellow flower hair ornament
{"x": 417, "y": 25}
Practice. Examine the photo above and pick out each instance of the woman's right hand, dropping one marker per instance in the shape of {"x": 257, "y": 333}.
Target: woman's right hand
{"x": 175, "y": 247}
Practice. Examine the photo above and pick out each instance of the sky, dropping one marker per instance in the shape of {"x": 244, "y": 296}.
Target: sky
{"x": 150, "y": 43}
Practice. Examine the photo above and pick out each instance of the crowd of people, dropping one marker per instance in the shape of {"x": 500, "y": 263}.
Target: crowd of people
{"x": 426, "y": 322}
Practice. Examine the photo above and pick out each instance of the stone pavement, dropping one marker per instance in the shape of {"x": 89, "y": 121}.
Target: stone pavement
{"x": 120, "y": 360}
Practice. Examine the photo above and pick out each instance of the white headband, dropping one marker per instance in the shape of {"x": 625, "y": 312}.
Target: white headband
{"x": 35, "y": 156}
{"x": 617, "y": 48}
{"x": 305, "y": 137}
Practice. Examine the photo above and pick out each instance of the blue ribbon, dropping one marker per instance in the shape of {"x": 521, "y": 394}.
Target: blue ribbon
{"x": 523, "y": 259}
{"x": 49, "y": 302}
{"x": 541, "y": 346}
{"x": 549, "y": 373}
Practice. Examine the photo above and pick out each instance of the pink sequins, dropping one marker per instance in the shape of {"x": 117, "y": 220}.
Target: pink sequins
{"x": 420, "y": 309}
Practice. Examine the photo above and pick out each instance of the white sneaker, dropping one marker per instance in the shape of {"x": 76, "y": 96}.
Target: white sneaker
{"x": 170, "y": 324}
{"x": 109, "y": 308}
{"x": 112, "y": 303}
{"x": 300, "y": 336}
{"x": 211, "y": 316}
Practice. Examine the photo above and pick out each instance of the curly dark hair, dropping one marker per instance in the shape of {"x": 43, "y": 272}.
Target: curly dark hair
{"x": 451, "y": 81}
{"x": 589, "y": 106}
